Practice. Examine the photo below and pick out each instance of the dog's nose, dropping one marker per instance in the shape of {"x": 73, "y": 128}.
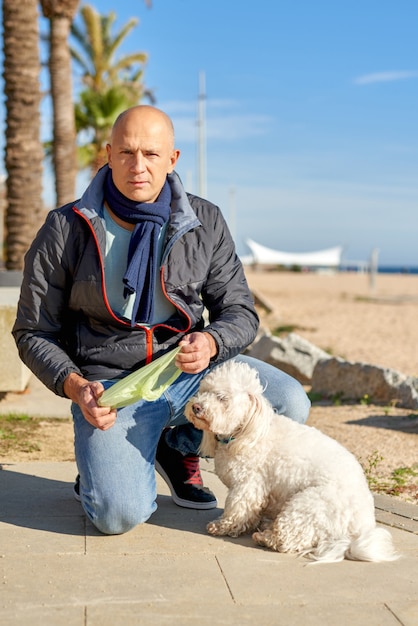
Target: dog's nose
{"x": 197, "y": 409}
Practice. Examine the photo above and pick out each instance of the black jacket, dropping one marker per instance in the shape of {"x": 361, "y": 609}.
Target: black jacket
{"x": 64, "y": 323}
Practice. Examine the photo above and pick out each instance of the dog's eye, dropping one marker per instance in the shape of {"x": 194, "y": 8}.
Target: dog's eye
{"x": 221, "y": 397}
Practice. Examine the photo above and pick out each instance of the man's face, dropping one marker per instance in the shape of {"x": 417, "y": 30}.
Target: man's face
{"x": 142, "y": 154}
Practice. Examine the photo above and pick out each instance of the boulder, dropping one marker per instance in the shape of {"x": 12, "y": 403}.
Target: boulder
{"x": 354, "y": 381}
{"x": 291, "y": 354}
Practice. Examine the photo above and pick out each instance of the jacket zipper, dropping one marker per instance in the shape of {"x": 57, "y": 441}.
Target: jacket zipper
{"x": 148, "y": 331}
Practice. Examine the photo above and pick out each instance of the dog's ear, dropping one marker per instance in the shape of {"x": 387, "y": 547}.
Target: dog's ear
{"x": 258, "y": 419}
{"x": 208, "y": 445}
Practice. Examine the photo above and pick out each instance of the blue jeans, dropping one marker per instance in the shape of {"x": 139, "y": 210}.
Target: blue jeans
{"x": 116, "y": 466}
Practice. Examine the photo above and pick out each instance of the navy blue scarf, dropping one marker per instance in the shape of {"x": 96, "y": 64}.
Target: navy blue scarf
{"x": 148, "y": 218}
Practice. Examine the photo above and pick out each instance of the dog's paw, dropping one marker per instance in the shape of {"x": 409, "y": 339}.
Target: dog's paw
{"x": 215, "y": 528}
{"x": 267, "y": 539}
{"x": 258, "y": 537}
{"x": 223, "y": 526}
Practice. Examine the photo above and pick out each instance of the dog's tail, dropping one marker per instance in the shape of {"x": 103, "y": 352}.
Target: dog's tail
{"x": 373, "y": 545}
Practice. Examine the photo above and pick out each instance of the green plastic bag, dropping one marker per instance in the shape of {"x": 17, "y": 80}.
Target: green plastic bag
{"x": 147, "y": 383}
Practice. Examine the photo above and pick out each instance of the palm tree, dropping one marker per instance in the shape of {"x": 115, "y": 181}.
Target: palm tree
{"x": 110, "y": 85}
{"x": 24, "y": 152}
{"x": 95, "y": 114}
{"x": 60, "y": 14}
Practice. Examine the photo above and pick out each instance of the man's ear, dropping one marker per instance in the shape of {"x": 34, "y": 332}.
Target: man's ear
{"x": 109, "y": 154}
{"x": 174, "y": 157}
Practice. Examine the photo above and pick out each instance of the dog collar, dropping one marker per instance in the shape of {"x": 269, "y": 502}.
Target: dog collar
{"x": 224, "y": 440}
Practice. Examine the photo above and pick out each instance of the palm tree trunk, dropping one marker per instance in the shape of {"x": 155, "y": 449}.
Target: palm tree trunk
{"x": 24, "y": 152}
{"x": 60, "y": 14}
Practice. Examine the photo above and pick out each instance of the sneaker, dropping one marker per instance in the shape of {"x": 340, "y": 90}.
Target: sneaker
{"x": 76, "y": 488}
{"x": 182, "y": 475}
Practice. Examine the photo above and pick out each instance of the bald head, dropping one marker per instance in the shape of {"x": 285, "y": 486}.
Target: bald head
{"x": 141, "y": 152}
{"x": 146, "y": 114}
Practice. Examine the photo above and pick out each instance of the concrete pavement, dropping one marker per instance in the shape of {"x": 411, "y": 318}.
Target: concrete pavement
{"x": 57, "y": 569}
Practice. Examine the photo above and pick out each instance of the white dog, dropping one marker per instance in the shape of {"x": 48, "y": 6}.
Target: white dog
{"x": 300, "y": 490}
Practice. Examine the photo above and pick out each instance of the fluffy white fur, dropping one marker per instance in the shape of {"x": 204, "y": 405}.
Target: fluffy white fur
{"x": 299, "y": 490}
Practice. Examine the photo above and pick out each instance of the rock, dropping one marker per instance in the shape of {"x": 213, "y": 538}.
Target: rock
{"x": 329, "y": 376}
{"x": 354, "y": 381}
{"x": 291, "y": 354}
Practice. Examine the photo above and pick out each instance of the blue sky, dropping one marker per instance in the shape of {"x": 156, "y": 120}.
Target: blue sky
{"x": 311, "y": 115}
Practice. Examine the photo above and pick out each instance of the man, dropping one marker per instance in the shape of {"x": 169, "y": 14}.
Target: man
{"x": 117, "y": 279}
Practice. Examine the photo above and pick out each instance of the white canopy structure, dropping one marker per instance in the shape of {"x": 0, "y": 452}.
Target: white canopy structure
{"x": 331, "y": 257}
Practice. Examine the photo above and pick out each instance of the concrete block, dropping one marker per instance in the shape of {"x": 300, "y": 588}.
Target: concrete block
{"x": 14, "y": 375}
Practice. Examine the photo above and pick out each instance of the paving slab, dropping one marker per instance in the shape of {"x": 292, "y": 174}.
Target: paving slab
{"x": 56, "y": 568}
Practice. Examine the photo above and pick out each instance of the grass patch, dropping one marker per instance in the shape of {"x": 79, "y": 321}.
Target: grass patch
{"x": 402, "y": 480}
{"x": 285, "y": 329}
{"x": 315, "y": 397}
{"x": 20, "y": 433}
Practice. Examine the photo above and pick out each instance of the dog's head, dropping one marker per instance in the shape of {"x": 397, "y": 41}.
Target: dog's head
{"x": 230, "y": 404}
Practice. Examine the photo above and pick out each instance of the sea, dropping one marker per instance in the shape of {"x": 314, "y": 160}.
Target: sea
{"x": 398, "y": 269}
{"x": 386, "y": 269}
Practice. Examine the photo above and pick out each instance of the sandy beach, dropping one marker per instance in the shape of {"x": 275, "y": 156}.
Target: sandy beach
{"x": 346, "y": 314}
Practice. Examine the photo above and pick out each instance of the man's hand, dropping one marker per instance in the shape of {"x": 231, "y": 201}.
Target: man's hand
{"x": 85, "y": 394}
{"x": 197, "y": 349}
